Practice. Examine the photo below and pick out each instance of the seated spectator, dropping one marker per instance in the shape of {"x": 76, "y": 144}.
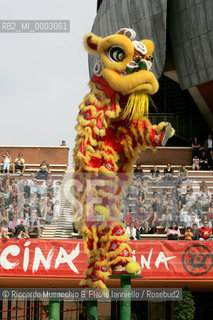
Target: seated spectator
{"x": 173, "y": 232}
{"x": 14, "y": 193}
{"x": 138, "y": 171}
{"x": 168, "y": 203}
{"x": 205, "y": 232}
{"x": 210, "y": 210}
{"x": 63, "y": 143}
{"x": 26, "y": 190}
{"x": 50, "y": 213}
{"x": 34, "y": 224}
{"x": 188, "y": 234}
{"x": 195, "y": 163}
{"x": 208, "y": 144}
{"x": 210, "y": 161}
{"x": 190, "y": 198}
{"x": 44, "y": 170}
{"x": 141, "y": 199}
{"x": 205, "y": 219}
{"x": 31, "y": 180}
{"x": 179, "y": 193}
{"x": 197, "y": 208}
{"x": 178, "y": 212}
{"x": 4, "y": 224}
{"x": 131, "y": 231}
{"x": 185, "y": 219}
{"x": 168, "y": 175}
{"x": 204, "y": 162}
{"x": 195, "y": 148}
{"x": 152, "y": 219}
{"x": 50, "y": 184}
{"x": 6, "y": 161}
{"x": 6, "y": 195}
{"x": 56, "y": 210}
{"x": 195, "y": 232}
{"x": 1, "y": 186}
{"x": 156, "y": 203}
{"x": 137, "y": 182}
{"x": 183, "y": 174}
{"x": 155, "y": 174}
{"x": 42, "y": 207}
{"x": 35, "y": 189}
{"x": 14, "y": 222}
{"x": 19, "y": 164}
{"x": 141, "y": 218}
{"x": 164, "y": 194}
{"x": 6, "y": 181}
{"x": 204, "y": 197}
{"x": 20, "y": 232}
{"x": 195, "y": 220}
{"x": 166, "y": 218}
{"x": 144, "y": 185}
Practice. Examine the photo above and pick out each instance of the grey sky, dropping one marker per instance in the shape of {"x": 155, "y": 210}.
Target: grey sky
{"x": 43, "y": 77}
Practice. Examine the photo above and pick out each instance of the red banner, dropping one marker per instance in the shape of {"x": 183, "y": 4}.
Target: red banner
{"x": 66, "y": 258}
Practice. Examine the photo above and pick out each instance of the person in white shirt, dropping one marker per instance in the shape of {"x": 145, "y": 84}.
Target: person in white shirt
{"x": 19, "y": 164}
{"x": 185, "y": 219}
{"x": 190, "y": 198}
{"x": 204, "y": 196}
{"x": 131, "y": 231}
{"x": 208, "y": 145}
{"x": 6, "y": 161}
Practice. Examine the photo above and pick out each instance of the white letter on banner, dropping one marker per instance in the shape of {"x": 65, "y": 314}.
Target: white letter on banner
{"x": 14, "y": 251}
{"x": 162, "y": 258}
{"x": 64, "y": 257}
{"x": 146, "y": 262}
{"x": 40, "y": 257}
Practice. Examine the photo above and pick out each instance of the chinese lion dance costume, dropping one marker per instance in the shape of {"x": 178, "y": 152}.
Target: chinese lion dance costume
{"x": 113, "y": 127}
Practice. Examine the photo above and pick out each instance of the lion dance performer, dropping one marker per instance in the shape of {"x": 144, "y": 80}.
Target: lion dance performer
{"x": 113, "y": 127}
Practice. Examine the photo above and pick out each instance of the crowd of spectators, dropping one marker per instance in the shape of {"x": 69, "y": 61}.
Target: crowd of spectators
{"x": 25, "y": 203}
{"x": 202, "y": 156}
{"x": 173, "y": 205}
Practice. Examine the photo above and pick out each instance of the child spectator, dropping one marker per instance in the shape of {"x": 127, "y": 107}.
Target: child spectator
{"x": 195, "y": 163}
{"x": 173, "y": 232}
{"x": 188, "y": 234}
{"x": 195, "y": 232}
{"x": 6, "y": 161}
{"x": 44, "y": 170}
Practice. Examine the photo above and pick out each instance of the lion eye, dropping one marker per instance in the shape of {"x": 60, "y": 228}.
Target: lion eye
{"x": 116, "y": 54}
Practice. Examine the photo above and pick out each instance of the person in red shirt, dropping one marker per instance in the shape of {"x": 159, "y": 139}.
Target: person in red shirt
{"x": 205, "y": 232}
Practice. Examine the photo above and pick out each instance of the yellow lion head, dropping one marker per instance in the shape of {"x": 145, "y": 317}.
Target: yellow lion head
{"x": 125, "y": 64}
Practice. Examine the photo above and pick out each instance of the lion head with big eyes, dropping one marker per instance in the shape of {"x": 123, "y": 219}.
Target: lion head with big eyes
{"x": 125, "y": 64}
